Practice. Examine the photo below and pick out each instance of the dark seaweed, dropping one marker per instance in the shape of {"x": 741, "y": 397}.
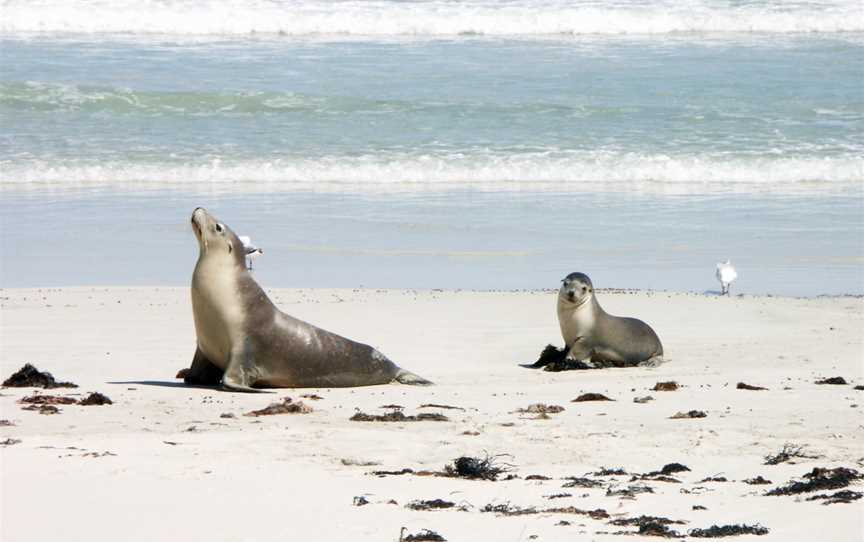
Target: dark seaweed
{"x": 835, "y": 380}
{"x": 434, "y": 504}
{"x": 845, "y": 496}
{"x": 713, "y": 479}
{"x": 95, "y": 398}
{"x": 550, "y": 354}
{"x": 435, "y": 405}
{"x": 610, "y": 472}
{"x": 757, "y": 481}
{"x": 672, "y": 468}
{"x": 743, "y": 386}
{"x": 629, "y": 492}
{"x": 398, "y": 416}
{"x": 633, "y": 522}
{"x": 287, "y": 406}
{"x": 581, "y": 482}
{"x": 508, "y": 510}
{"x": 540, "y": 408}
{"x": 819, "y": 479}
{"x": 476, "y": 468}
{"x": 29, "y": 376}
{"x": 666, "y": 386}
{"x": 591, "y": 397}
{"x": 689, "y": 414}
{"x": 43, "y": 409}
{"x": 423, "y": 536}
{"x": 47, "y": 400}
{"x": 382, "y": 473}
{"x": 728, "y": 530}
{"x": 788, "y": 452}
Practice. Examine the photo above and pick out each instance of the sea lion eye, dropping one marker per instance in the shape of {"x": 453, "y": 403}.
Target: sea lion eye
{"x": 584, "y": 288}
{"x": 219, "y": 227}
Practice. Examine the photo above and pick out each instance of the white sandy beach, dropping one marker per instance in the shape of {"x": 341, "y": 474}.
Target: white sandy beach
{"x": 177, "y": 470}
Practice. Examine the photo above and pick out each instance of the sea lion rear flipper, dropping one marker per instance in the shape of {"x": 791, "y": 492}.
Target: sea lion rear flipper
{"x": 411, "y": 379}
{"x": 656, "y": 361}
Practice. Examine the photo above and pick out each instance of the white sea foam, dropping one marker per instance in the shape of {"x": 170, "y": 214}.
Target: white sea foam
{"x": 568, "y": 172}
{"x": 426, "y": 17}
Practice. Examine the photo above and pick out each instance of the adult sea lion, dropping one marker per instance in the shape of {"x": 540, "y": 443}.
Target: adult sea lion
{"x": 245, "y": 342}
{"x": 593, "y": 338}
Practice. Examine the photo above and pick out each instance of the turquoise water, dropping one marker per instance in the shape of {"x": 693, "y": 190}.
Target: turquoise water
{"x": 431, "y": 144}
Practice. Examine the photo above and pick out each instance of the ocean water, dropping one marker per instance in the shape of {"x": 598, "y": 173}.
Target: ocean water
{"x": 423, "y": 144}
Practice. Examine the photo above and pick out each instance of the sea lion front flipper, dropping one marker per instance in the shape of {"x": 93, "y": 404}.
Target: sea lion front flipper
{"x": 581, "y": 353}
{"x": 202, "y": 372}
{"x": 241, "y": 374}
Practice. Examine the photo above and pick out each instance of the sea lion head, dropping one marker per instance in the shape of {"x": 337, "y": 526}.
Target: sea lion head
{"x": 216, "y": 239}
{"x": 576, "y": 289}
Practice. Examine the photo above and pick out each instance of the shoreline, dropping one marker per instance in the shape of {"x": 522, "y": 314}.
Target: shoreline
{"x": 163, "y": 452}
{"x": 535, "y": 291}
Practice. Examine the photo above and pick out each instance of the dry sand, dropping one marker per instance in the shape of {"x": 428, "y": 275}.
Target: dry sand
{"x": 177, "y": 470}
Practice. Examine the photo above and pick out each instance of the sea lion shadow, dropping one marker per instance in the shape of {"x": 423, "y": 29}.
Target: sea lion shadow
{"x": 162, "y": 384}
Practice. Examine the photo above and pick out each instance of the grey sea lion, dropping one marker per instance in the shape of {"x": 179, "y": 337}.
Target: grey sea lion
{"x": 593, "y": 338}
{"x": 245, "y": 342}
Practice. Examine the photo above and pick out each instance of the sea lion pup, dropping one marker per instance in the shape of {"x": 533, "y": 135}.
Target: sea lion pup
{"x": 593, "y": 338}
{"x": 245, "y": 342}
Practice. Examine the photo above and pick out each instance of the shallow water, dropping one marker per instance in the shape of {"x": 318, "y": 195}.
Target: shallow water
{"x": 475, "y": 144}
{"x": 484, "y": 240}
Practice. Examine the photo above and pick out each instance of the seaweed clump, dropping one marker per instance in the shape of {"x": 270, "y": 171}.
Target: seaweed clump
{"x": 540, "y": 408}
{"x": 398, "y": 416}
{"x": 629, "y": 492}
{"x": 845, "y": 496}
{"x": 688, "y": 414}
{"x": 835, "y": 380}
{"x": 95, "y": 398}
{"x": 758, "y": 481}
{"x": 610, "y": 472}
{"x": 507, "y": 509}
{"x": 715, "y": 531}
{"x": 743, "y": 386}
{"x": 29, "y": 376}
{"x": 475, "y": 468}
{"x": 433, "y": 504}
{"x": 819, "y": 479}
{"x": 786, "y": 454}
{"x": 657, "y": 529}
{"x": 423, "y": 536}
{"x": 641, "y": 520}
{"x": 287, "y": 406}
{"x": 666, "y": 386}
{"x": 43, "y": 409}
{"x": 47, "y": 400}
{"x": 591, "y": 397}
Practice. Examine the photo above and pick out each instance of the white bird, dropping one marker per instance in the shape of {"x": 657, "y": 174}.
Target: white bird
{"x": 726, "y": 274}
{"x": 251, "y": 250}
